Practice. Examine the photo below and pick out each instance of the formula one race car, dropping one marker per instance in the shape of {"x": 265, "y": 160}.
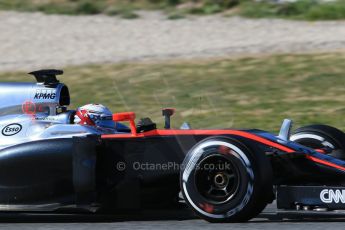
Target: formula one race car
{"x": 48, "y": 163}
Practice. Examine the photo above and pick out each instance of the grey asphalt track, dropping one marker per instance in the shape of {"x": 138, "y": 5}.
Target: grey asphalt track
{"x": 195, "y": 224}
{"x": 268, "y": 220}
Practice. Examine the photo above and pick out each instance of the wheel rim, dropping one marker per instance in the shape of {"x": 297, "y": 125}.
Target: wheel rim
{"x": 217, "y": 178}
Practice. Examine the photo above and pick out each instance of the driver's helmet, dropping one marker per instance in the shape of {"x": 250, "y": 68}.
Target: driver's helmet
{"x": 94, "y": 115}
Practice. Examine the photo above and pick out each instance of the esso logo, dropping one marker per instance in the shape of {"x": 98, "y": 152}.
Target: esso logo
{"x": 11, "y": 129}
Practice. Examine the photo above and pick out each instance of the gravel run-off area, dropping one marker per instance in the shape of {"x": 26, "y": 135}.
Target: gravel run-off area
{"x": 35, "y": 40}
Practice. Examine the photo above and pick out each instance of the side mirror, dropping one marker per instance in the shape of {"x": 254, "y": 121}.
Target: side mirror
{"x": 126, "y": 116}
{"x": 167, "y": 113}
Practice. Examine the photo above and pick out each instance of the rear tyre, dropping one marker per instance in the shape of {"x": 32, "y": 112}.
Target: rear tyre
{"x": 224, "y": 180}
{"x": 321, "y": 137}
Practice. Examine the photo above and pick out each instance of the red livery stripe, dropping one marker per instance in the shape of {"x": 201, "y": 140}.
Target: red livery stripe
{"x": 317, "y": 160}
{"x": 177, "y": 132}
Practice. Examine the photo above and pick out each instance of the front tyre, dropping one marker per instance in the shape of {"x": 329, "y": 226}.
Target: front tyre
{"x": 224, "y": 180}
{"x": 321, "y": 137}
